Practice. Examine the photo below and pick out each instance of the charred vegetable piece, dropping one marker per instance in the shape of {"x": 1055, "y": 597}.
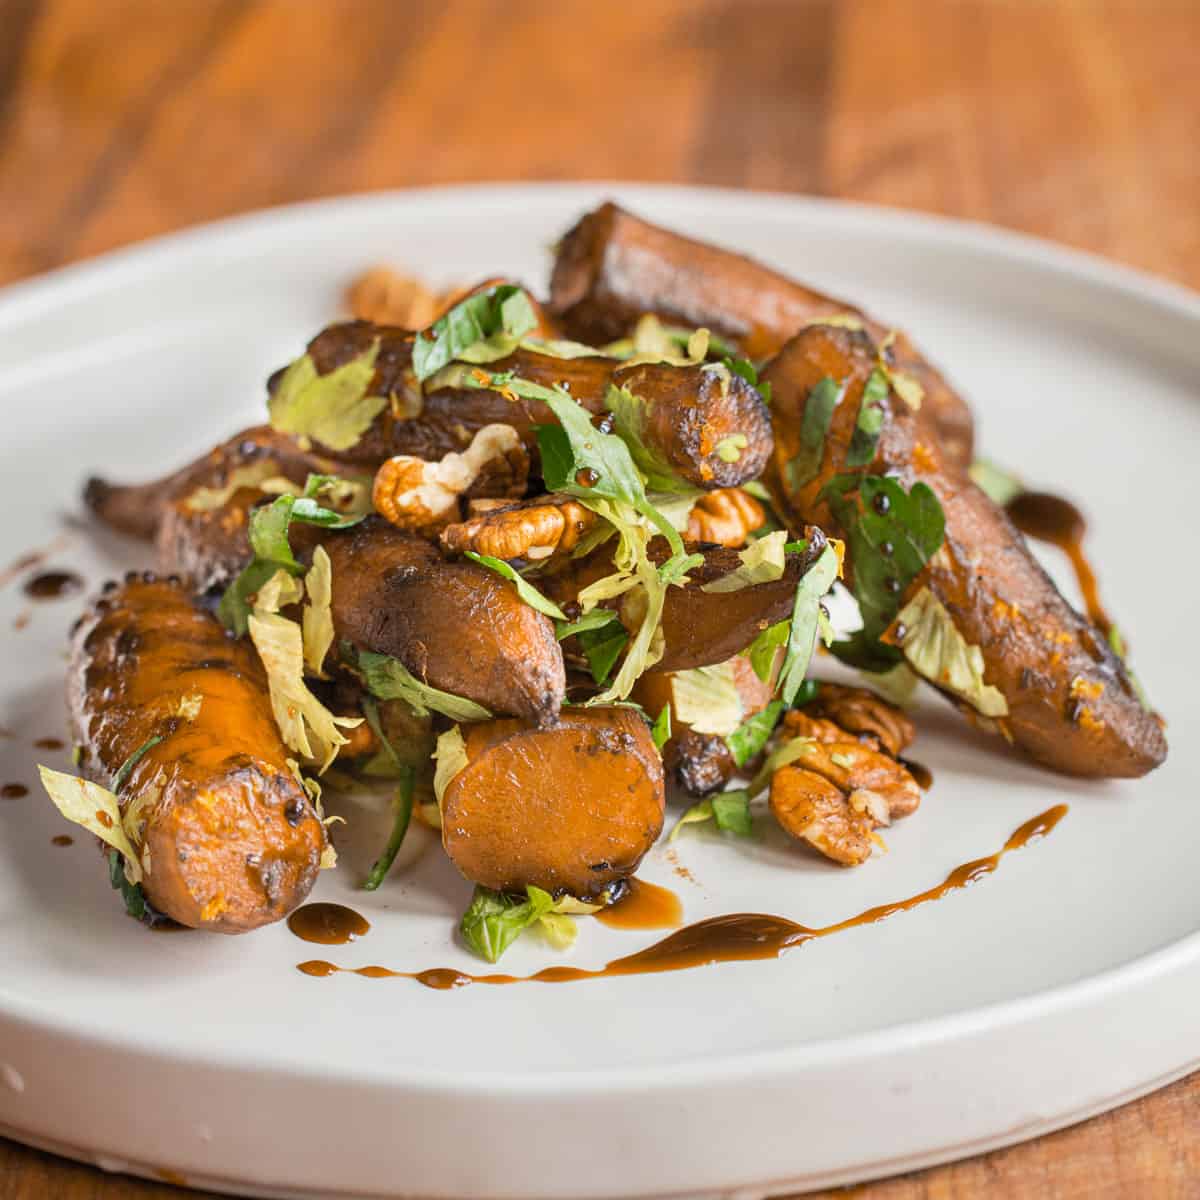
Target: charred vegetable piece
{"x": 228, "y": 839}
{"x": 245, "y": 459}
{"x": 569, "y": 809}
{"x": 613, "y": 267}
{"x": 699, "y": 627}
{"x": 455, "y": 626}
{"x": 700, "y": 760}
{"x": 978, "y": 618}
{"x": 703, "y": 424}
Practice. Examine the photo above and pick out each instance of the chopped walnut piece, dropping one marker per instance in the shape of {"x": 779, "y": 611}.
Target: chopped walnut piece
{"x": 724, "y": 517}
{"x": 535, "y": 529}
{"x": 861, "y": 712}
{"x": 839, "y": 791}
{"x": 413, "y": 493}
{"x": 387, "y": 297}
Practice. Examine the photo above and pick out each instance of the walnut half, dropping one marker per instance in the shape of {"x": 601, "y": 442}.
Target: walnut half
{"x": 724, "y": 517}
{"x": 413, "y": 493}
{"x": 839, "y": 791}
{"x": 535, "y": 529}
{"x": 861, "y": 712}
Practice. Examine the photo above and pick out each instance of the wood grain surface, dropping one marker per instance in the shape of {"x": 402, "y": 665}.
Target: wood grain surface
{"x": 1073, "y": 119}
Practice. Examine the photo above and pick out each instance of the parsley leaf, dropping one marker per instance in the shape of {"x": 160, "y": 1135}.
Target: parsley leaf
{"x": 762, "y": 650}
{"x": 525, "y": 589}
{"x": 748, "y": 739}
{"x": 823, "y": 398}
{"x": 268, "y": 533}
{"x": 891, "y": 535}
{"x": 131, "y": 893}
{"x": 389, "y": 679}
{"x": 806, "y": 608}
{"x": 861, "y": 451}
{"x": 123, "y": 772}
{"x": 749, "y": 372}
{"x": 731, "y": 811}
{"x": 478, "y": 318}
{"x": 602, "y": 647}
{"x": 402, "y": 806}
{"x": 660, "y": 731}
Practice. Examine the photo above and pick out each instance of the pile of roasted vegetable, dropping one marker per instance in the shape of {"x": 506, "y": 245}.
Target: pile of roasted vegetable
{"x": 534, "y": 563}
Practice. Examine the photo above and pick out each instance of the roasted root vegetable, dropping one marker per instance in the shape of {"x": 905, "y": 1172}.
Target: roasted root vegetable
{"x": 708, "y": 709}
{"x": 977, "y": 617}
{"x": 244, "y": 460}
{"x": 613, "y": 267}
{"x": 699, "y": 423}
{"x": 569, "y": 809}
{"x": 454, "y": 626}
{"x": 226, "y": 837}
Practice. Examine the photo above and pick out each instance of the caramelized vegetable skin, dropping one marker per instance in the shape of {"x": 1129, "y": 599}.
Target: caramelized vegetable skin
{"x": 613, "y": 267}
{"x": 701, "y": 763}
{"x": 691, "y": 411}
{"x": 231, "y": 838}
{"x": 139, "y": 509}
{"x": 1072, "y": 705}
{"x": 455, "y": 625}
{"x": 568, "y": 809}
{"x": 699, "y": 628}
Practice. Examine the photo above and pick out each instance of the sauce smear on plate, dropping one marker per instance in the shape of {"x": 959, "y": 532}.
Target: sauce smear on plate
{"x": 738, "y": 937}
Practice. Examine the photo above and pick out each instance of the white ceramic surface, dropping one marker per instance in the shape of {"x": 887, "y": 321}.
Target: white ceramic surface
{"x": 1062, "y": 984}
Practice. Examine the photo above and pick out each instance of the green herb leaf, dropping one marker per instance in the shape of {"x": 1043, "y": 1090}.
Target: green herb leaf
{"x": 802, "y": 636}
{"x": 731, "y": 811}
{"x": 602, "y": 647}
{"x": 131, "y": 893}
{"x": 500, "y": 310}
{"x": 493, "y": 921}
{"x": 823, "y": 399}
{"x": 762, "y": 650}
{"x": 268, "y": 534}
{"x": 749, "y": 372}
{"x": 389, "y": 679}
{"x": 596, "y": 619}
{"x": 402, "y": 806}
{"x": 660, "y": 731}
{"x": 748, "y": 739}
{"x": 891, "y": 535}
{"x": 525, "y": 589}
{"x": 808, "y": 691}
{"x": 333, "y": 409}
{"x": 125, "y": 769}
{"x": 865, "y": 439}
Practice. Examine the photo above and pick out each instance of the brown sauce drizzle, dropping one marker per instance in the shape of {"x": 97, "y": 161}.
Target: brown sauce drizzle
{"x": 327, "y": 924}
{"x": 920, "y": 772}
{"x": 51, "y": 585}
{"x": 31, "y": 559}
{"x": 738, "y": 937}
{"x": 50, "y": 743}
{"x": 1056, "y": 521}
{"x": 13, "y": 791}
{"x": 21, "y": 620}
{"x": 644, "y": 906}
{"x": 62, "y": 839}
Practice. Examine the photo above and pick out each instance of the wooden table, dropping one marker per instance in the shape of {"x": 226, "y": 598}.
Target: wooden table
{"x": 1067, "y": 118}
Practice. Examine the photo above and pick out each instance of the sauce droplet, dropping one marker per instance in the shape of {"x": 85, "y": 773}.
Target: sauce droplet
{"x": 51, "y": 585}
{"x": 50, "y": 743}
{"x": 1056, "y": 521}
{"x": 738, "y": 937}
{"x": 881, "y": 503}
{"x": 13, "y": 791}
{"x": 62, "y": 839}
{"x": 586, "y": 477}
{"x": 327, "y": 924}
{"x": 644, "y": 906}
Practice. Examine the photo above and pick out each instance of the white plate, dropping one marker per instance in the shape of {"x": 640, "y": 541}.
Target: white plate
{"x": 1063, "y": 984}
